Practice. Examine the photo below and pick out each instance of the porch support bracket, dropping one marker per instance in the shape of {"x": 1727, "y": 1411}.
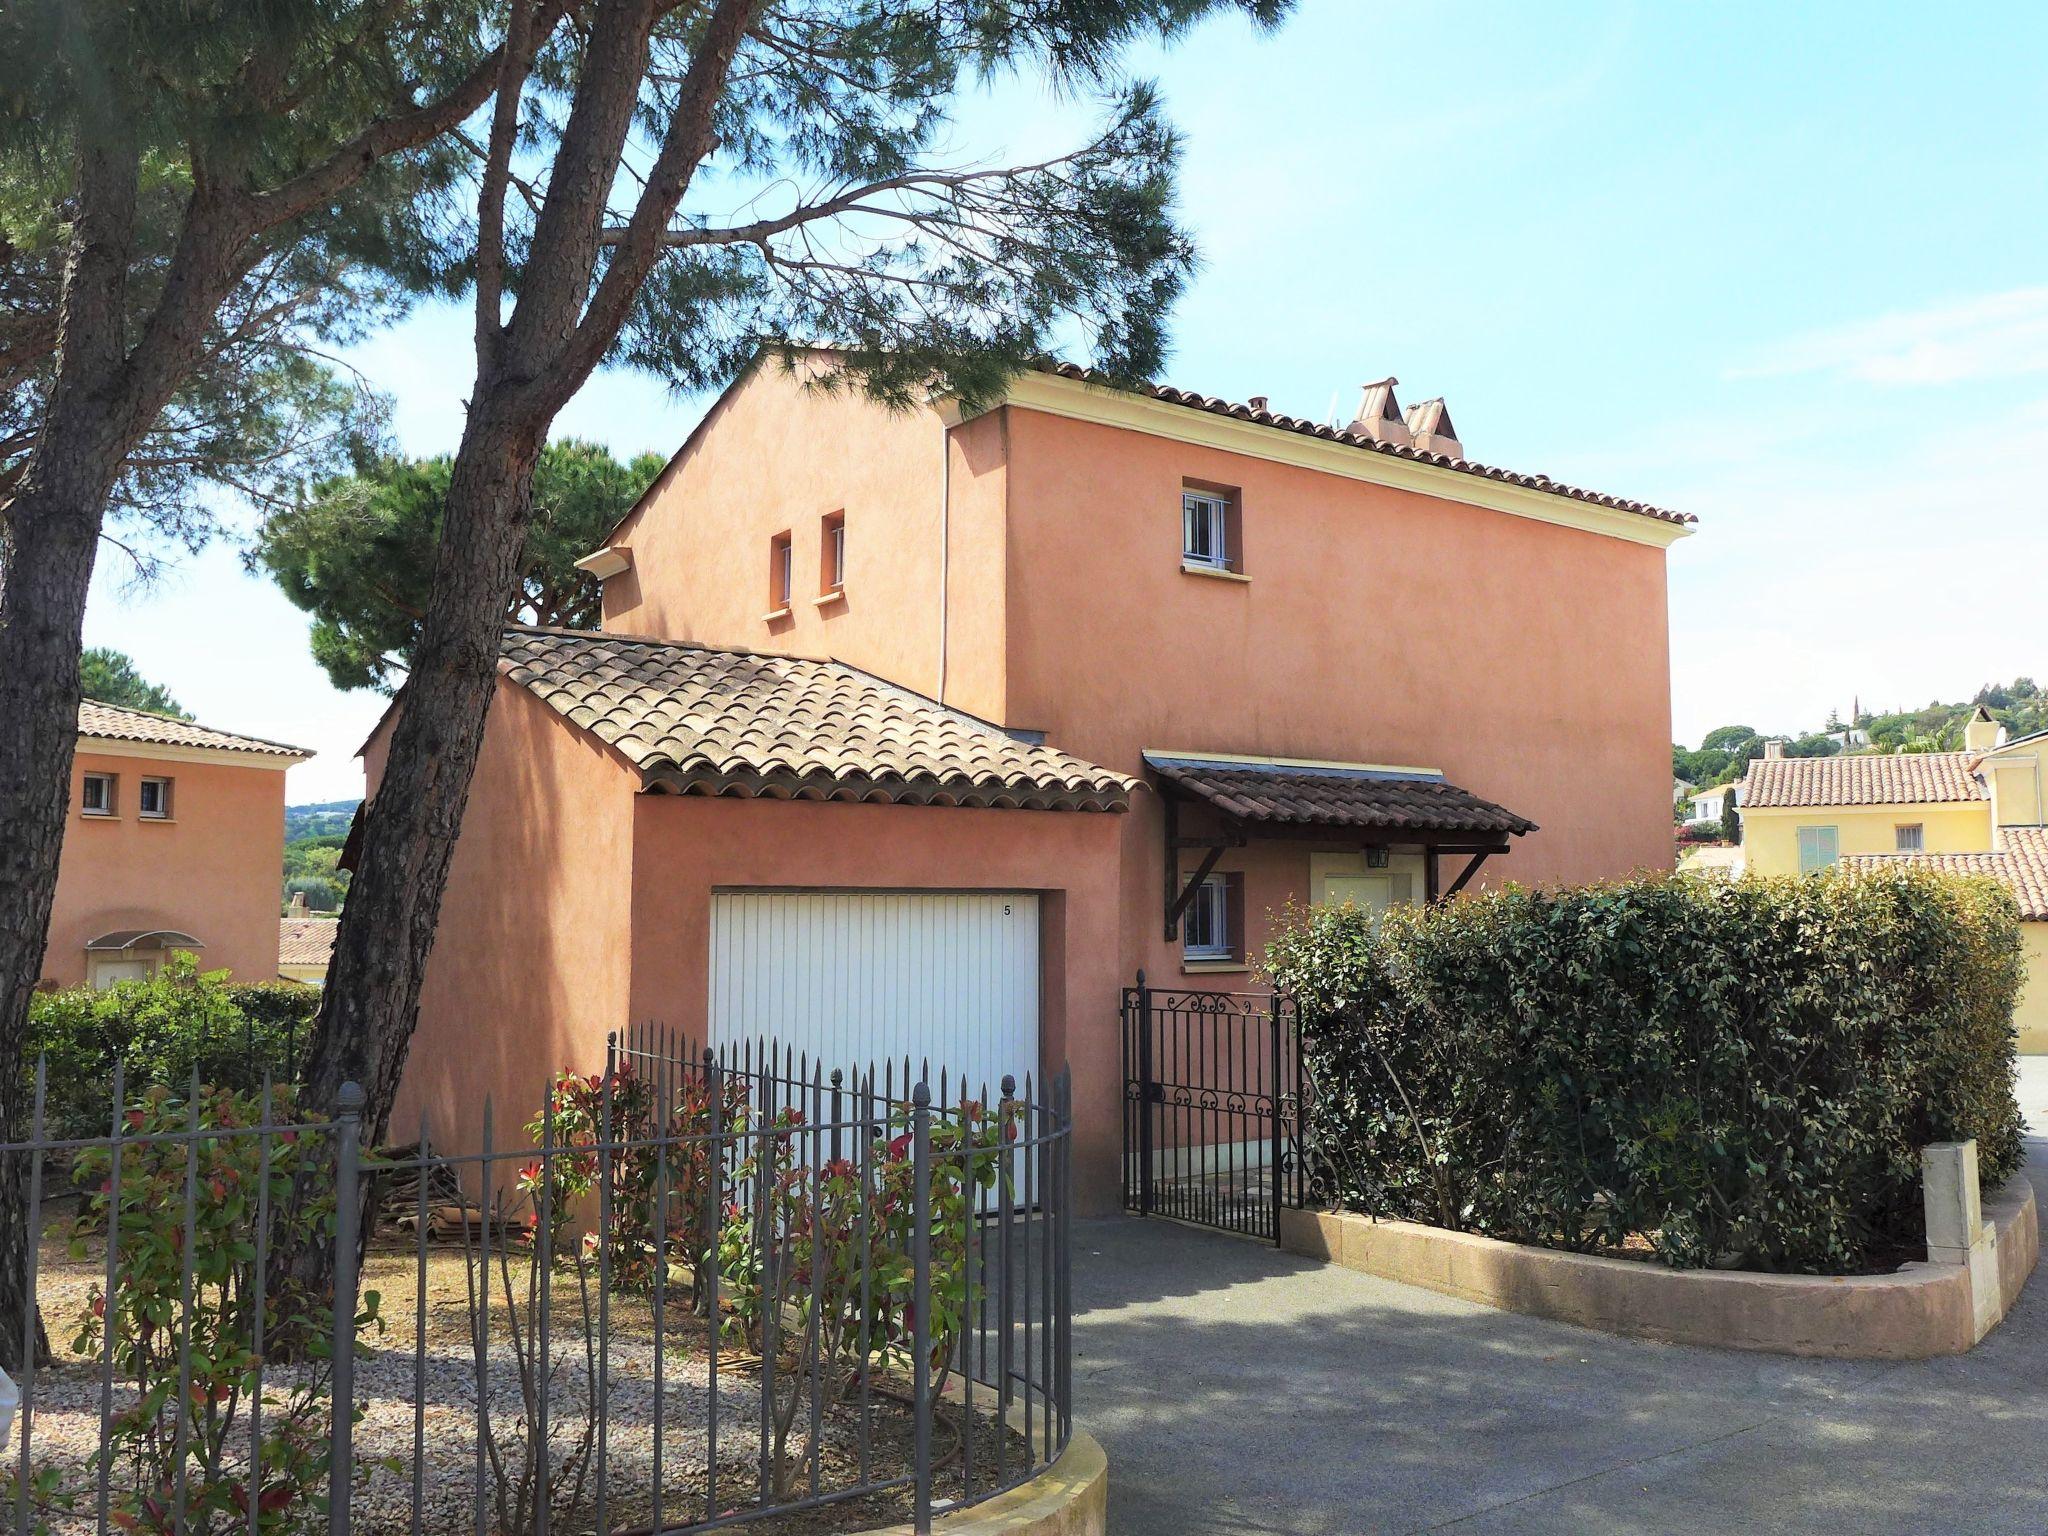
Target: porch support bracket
{"x": 1180, "y": 895}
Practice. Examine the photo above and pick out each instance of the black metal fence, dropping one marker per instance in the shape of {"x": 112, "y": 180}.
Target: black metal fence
{"x": 1212, "y": 1107}
{"x": 698, "y": 1290}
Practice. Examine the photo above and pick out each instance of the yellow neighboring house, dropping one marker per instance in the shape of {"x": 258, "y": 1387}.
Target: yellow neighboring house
{"x": 1979, "y": 811}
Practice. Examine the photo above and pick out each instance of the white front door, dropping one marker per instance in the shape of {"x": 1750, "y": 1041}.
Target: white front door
{"x": 1369, "y": 893}
{"x": 857, "y": 978}
{"x": 108, "y": 971}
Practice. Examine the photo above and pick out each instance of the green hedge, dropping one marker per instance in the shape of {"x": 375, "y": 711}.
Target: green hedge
{"x": 164, "y": 1029}
{"x": 1741, "y": 1073}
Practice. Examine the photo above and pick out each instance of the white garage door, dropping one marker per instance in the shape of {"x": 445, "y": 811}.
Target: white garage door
{"x": 856, "y": 978}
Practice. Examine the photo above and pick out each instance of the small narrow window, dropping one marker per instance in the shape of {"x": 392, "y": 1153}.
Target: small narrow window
{"x": 781, "y": 571}
{"x": 96, "y": 797}
{"x": 1205, "y": 530}
{"x": 153, "y": 799}
{"x": 1911, "y": 839}
{"x": 1819, "y": 847}
{"x": 832, "y": 553}
{"x": 1213, "y": 927}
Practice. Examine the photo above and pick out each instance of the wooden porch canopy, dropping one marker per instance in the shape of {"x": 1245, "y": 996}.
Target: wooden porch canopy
{"x": 1364, "y": 805}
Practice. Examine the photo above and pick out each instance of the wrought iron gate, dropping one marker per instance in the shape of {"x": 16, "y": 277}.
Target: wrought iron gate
{"x": 1212, "y": 1107}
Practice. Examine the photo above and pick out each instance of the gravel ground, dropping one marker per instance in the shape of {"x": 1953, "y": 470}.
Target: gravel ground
{"x": 67, "y": 1407}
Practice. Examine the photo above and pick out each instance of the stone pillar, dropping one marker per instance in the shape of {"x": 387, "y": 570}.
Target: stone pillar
{"x": 1956, "y": 1230}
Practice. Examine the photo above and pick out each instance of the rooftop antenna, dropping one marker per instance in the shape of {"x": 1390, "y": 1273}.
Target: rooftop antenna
{"x": 1330, "y": 416}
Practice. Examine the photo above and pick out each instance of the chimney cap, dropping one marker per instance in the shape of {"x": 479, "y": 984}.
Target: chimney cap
{"x": 1379, "y": 414}
{"x": 1774, "y": 747}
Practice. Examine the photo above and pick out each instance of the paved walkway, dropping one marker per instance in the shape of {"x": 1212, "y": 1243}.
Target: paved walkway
{"x": 1239, "y": 1389}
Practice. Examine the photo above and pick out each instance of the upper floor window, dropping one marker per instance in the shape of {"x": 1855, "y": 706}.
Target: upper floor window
{"x": 832, "y": 552}
{"x": 781, "y": 571}
{"x": 153, "y": 799}
{"x": 96, "y": 794}
{"x": 1819, "y": 847}
{"x": 1910, "y": 839}
{"x": 1205, "y": 529}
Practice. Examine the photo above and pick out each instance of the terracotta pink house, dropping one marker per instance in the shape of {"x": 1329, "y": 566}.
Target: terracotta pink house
{"x": 175, "y": 841}
{"x": 909, "y": 732}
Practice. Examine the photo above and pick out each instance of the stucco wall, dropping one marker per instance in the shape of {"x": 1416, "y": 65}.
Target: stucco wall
{"x": 530, "y": 964}
{"x": 774, "y": 456}
{"x": 688, "y": 846}
{"x": 2016, "y": 784}
{"x": 1770, "y": 836}
{"x": 214, "y": 870}
{"x": 1530, "y": 662}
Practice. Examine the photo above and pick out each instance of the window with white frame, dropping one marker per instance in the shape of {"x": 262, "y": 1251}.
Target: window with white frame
{"x": 833, "y": 553}
{"x": 1911, "y": 838}
{"x": 1205, "y": 928}
{"x": 1205, "y": 529}
{"x": 96, "y": 795}
{"x": 781, "y": 572}
{"x": 153, "y": 799}
{"x": 1819, "y": 847}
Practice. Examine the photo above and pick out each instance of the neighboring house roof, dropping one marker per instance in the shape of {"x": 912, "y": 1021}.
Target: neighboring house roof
{"x": 1335, "y": 794}
{"x": 2021, "y": 865}
{"x": 698, "y": 720}
{"x": 1220, "y": 407}
{"x": 306, "y": 941}
{"x": 111, "y": 722}
{"x": 1889, "y": 778}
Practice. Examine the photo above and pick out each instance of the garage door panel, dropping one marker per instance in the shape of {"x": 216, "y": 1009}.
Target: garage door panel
{"x": 855, "y": 978}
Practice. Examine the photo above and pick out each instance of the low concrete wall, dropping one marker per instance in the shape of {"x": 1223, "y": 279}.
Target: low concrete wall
{"x": 1069, "y": 1498}
{"x": 1922, "y": 1311}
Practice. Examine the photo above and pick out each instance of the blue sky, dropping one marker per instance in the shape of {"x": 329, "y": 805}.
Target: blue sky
{"x": 1782, "y": 267}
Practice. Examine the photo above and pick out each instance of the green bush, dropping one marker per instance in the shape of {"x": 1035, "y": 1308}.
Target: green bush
{"x": 182, "y": 1020}
{"x": 1741, "y": 1073}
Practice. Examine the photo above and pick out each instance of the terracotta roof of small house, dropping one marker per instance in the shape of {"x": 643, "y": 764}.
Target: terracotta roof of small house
{"x": 306, "y": 940}
{"x": 1360, "y": 795}
{"x": 112, "y": 722}
{"x": 698, "y": 720}
{"x": 1221, "y": 407}
{"x": 1862, "y": 778}
{"x": 2021, "y": 865}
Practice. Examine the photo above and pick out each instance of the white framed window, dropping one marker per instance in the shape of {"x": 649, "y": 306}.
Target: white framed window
{"x": 1910, "y": 839}
{"x": 781, "y": 571}
{"x": 1205, "y": 927}
{"x": 96, "y": 794}
{"x": 1205, "y": 529}
{"x": 1819, "y": 847}
{"x": 153, "y": 799}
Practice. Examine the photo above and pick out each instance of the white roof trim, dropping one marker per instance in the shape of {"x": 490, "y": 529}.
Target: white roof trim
{"x": 165, "y": 752}
{"x": 604, "y": 564}
{"x": 1104, "y": 406}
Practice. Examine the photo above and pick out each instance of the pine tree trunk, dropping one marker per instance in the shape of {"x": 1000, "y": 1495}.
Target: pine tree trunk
{"x": 371, "y": 999}
{"x": 49, "y": 535}
{"x": 49, "y": 546}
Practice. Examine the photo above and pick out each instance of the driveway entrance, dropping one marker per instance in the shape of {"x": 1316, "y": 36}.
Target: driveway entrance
{"x": 1239, "y": 1389}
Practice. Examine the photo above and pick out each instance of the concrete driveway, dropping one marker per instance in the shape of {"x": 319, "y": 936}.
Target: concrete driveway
{"x": 1239, "y": 1389}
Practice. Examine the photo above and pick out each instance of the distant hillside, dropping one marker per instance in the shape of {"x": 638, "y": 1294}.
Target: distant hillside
{"x": 1724, "y": 754}
{"x": 329, "y": 817}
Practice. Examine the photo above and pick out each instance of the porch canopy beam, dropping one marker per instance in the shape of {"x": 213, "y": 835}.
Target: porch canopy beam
{"x": 1363, "y": 805}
